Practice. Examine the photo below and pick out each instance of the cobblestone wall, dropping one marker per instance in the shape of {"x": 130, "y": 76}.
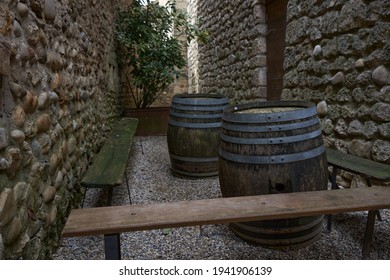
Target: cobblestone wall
{"x": 233, "y": 62}
{"x": 338, "y": 56}
{"x": 193, "y": 51}
{"x": 58, "y": 75}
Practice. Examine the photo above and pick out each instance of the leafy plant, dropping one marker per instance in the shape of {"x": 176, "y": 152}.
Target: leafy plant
{"x": 152, "y": 38}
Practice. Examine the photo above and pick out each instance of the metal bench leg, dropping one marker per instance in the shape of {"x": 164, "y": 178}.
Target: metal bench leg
{"x": 142, "y": 147}
{"x": 128, "y": 187}
{"x": 109, "y": 198}
{"x": 112, "y": 246}
{"x": 85, "y": 194}
{"x": 369, "y": 233}
{"x": 332, "y": 179}
{"x": 329, "y": 219}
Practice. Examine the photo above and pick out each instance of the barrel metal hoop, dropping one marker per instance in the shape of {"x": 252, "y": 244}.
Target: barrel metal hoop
{"x": 278, "y": 159}
{"x": 291, "y": 229}
{"x": 197, "y": 108}
{"x": 270, "y": 128}
{"x": 192, "y": 159}
{"x": 195, "y": 174}
{"x": 195, "y": 99}
{"x": 196, "y": 116}
{"x": 271, "y": 141}
{"x": 195, "y": 125}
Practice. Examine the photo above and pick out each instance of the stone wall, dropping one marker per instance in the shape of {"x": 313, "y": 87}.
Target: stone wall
{"x": 338, "y": 56}
{"x": 193, "y": 51}
{"x": 58, "y": 99}
{"x": 233, "y": 62}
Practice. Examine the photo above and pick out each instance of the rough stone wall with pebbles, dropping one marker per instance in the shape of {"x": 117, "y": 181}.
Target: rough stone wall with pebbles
{"x": 338, "y": 56}
{"x": 233, "y": 62}
{"x": 193, "y": 51}
{"x": 58, "y": 78}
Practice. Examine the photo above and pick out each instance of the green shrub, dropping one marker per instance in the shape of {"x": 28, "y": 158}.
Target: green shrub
{"x": 151, "y": 39}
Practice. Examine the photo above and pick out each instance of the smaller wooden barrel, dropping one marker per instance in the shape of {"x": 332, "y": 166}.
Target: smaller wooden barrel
{"x": 193, "y": 134}
{"x": 273, "y": 147}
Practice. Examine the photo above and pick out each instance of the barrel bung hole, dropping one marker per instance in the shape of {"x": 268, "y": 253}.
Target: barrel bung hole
{"x": 280, "y": 187}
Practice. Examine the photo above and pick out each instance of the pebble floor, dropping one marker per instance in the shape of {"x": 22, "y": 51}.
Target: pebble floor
{"x": 151, "y": 181}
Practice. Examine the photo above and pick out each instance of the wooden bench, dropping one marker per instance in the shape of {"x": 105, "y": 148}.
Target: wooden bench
{"x": 109, "y": 166}
{"x": 111, "y": 221}
{"x": 367, "y": 168}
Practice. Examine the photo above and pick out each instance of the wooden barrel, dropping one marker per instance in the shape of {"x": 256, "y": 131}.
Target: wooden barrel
{"x": 273, "y": 147}
{"x": 194, "y": 126}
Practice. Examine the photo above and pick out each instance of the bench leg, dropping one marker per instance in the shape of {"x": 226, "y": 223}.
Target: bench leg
{"x": 329, "y": 222}
{"x": 332, "y": 180}
{"x": 109, "y": 197}
{"x": 142, "y": 147}
{"x": 128, "y": 188}
{"x": 112, "y": 246}
{"x": 378, "y": 213}
{"x": 369, "y": 233}
{"x": 85, "y": 194}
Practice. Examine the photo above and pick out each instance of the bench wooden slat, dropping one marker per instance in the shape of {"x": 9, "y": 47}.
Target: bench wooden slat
{"x": 110, "y": 163}
{"x": 117, "y": 219}
{"x": 358, "y": 165}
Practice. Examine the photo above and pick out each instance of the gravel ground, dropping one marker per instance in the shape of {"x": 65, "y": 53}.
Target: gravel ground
{"x": 151, "y": 181}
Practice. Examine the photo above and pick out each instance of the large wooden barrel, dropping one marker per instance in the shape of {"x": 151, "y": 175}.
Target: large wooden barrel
{"x": 273, "y": 147}
{"x": 194, "y": 126}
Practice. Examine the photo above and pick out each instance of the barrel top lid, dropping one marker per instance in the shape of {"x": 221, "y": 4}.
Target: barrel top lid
{"x": 267, "y": 110}
{"x": 271, "y": 111}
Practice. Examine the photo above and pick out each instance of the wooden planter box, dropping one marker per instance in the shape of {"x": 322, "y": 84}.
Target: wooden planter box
{"x": 152, "y": 121}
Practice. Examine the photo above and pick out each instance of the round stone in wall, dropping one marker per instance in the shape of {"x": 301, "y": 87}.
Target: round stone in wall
{"x": 381, "y": 151}
{"x": 322, "y": 108}
{"x": 338, "y": 79}
{"x": 50, "y": 10}
{"x": 381, "y": 111}
{"x": 381, "y": 75}
{"x": 317, "y": 51}
{"x": 22, "y": 9}
{"x": 359, "y": 63}
{"x": 18, "y": 136}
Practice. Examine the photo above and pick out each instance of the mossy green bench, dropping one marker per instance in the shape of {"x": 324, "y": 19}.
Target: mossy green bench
{"x": 369, "y": 169}
{"x": 109, "y": 166}
{"x": 365, "y": 167}
{"x": 111, "y": 221}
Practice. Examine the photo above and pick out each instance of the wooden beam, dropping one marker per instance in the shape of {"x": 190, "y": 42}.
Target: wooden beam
{"x": 117, "y": 219}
